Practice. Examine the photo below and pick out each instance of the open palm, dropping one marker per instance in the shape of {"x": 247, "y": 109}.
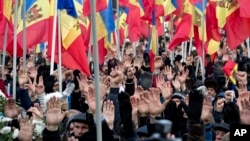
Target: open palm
{"x": 54, "y": 116}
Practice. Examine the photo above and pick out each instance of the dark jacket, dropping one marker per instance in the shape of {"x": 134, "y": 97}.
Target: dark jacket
{"x": 24, "y": 98}
{"x": 78, "y": 103}
{"x": 107, "y": 134}
{"x": 196, "y": 132}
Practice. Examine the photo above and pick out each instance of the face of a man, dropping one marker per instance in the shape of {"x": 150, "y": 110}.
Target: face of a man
{"x": 211, "y": 92}
{"x": 219, "y": 135}
{"x": 177, "y": 101}
{"x": 80, "y": 128}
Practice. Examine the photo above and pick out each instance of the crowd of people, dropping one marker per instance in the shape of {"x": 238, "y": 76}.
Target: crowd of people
{"x": 169, "y": 103}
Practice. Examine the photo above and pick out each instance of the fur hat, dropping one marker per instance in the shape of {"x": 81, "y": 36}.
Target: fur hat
{"x": 211, "y": 83}
{"x": 178, "y": 58}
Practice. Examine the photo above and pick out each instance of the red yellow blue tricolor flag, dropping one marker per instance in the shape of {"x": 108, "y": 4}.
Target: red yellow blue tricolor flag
{"x": 153, "y": 42}
{"x": 36, "y": 17}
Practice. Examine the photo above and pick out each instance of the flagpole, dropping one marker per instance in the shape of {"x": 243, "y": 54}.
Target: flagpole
{"x": 90, "y": 46}
{"x": 164, "y": 35}
{"x": 59, "y": 51}
{"x": 96, "y": 70}
{"x": 190, "y": 46}
{"x": 4, "y": 48}
{"x": 118, "y": 30}
{"x": 185, "y": 51}
{"x": 182, "y": 50}
{"x": 197, "y": 66}
{"x": 171, "y": 37}
{"x": 53, "y": 39}
{"x": 203, "y": 44}
{"x": 248, "y": 47}
{"x": 15, "y": 50}
{"x": 24, "y": 35}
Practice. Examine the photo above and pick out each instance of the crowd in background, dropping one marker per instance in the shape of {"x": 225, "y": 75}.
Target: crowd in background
{"x": 135, "y": 100}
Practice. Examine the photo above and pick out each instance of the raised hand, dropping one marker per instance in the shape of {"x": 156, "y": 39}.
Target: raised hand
{"x": 183, "y": 77}
{"x": 127, "y": 62}
{"x": 169, "y": 73}
{"x": 241, "y": 76}
{"x": 189, "y": 60}
{"x": 138, "y": 92}
{"x": 91, "y": 99}
{"x": 165, "y": 87}
{"x": 54, "y": 115}
{"x": 206, "y": 113}
{"x": 37, "y": 111}
{"x": 26, "y": 129}
{"x": 242, "y": 97}
{"x": 22, "y": 78}
{"x": 32, "y": 72}
{"x": 31, "y": 86}
{"x": 104, "y": 90}
{"x": 40, "y": 89}
{"x": 245, "y": 111}
{"x": 134, "y": 104}
{"x": 152, "y": 98}
{"x": 143, "y": 107}
{"x": 219, "y": 105}
{"x": 176, "y": 83}
{"x": 158, "y": 62}
{"x": 83, "y": 83}
{"x": 116, "y": 76}
{"x": 109, "y": 113}
{"x": 242, "y": 87}
{"x": 10, "y": 109}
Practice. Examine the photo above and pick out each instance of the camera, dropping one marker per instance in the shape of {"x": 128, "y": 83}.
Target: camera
{"x": 159, "y": 130}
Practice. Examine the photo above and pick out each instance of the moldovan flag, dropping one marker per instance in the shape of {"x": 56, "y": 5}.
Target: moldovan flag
{"x": 135, "y": 13}
{"x": 6, "y": 9}
{"x": 185, "y": 28}
{"x": 229, "y": 69}
{"x": 212, "y": 28}
{"x": 37, "y": 15}
{"x": 198, "y": 31}
{"x": 7, "y": 20}
{"x": 100, "y": 5}
{"x": 40, "y": 47}
{"x": 123, "y": 3}
{"x": 153, "y": 43}
{"x": 237, "y": 28}
{"x": 83, "y": 22}
{"x": 164, "y": 7}
{"x": 105, "y": 21}
{"x": 73, "y": 49}
{"x": 105, "y": 25}
{"x": 244, "y": 8}
{"x": 123, "y": 27}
